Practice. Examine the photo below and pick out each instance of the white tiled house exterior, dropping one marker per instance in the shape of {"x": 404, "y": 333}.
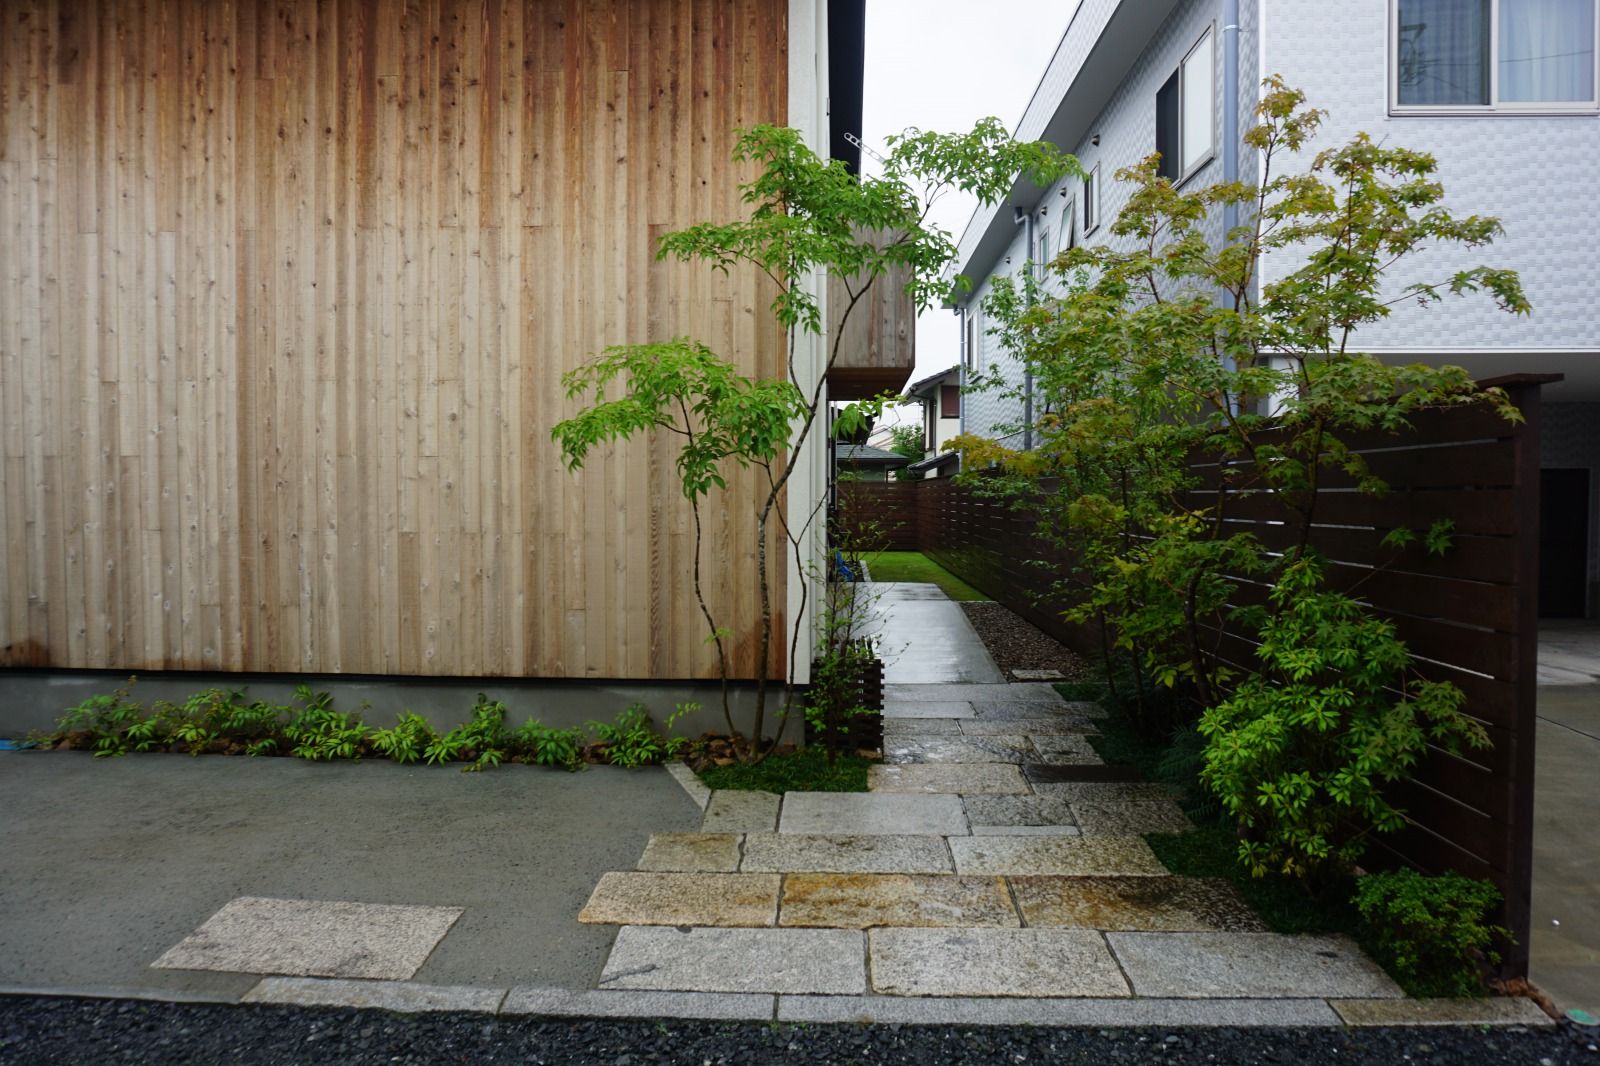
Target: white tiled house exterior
{"x": 1502, "y": 92}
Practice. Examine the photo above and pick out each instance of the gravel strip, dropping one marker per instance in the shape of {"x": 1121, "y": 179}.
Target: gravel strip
{"x": 1017, "y": 644}
{"x": 44, "y": 1031}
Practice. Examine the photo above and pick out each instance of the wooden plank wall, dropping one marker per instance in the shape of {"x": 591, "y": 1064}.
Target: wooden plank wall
{"x": 1469, "y": 616}
{"x": 286, "y": 292}
{"x": 881, "y": 515}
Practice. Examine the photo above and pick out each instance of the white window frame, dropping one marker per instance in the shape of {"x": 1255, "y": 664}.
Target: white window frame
{"x": 1091, "y": 200}
{"x": 1207, "y": 39}
{"x": 1494, "y": 107}
{"x": 1068, "y": 238}
{"x": 1041, "y": 250}
{"x": 974, "y": 338}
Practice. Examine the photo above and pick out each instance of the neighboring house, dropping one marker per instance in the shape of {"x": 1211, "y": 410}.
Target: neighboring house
{"x": 288, "y": 289}
{"x": 1502, "y": 92}
{"x": 940, "y": 397}
{"x": 864, "y": 462}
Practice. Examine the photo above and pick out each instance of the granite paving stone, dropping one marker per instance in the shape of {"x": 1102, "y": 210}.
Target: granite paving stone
{"x": 1043, "y": 773}
{"x": 1026, "y": 831}
{"x": 1018, "y": 810}
{"x": 1490, "y": 1010}
{"x": 1080, "y": 856}
{"x": 903, "y": 750}
{"x": 992, "y": 962}
{"x": 872, "y": 853}
{"x": 1001, "y": 711}
{"x": 921, "y": 727}
{"x": 698, "y": 793}
{"x": 1167, "y": 904}
{"x": 1105, "y": 793}
{"x": 817, "y": 961}
{"x": 1068, "y": 757}
{"x": 1064, "y": 743}
{"x": 926, "y": 709}
{"x": 691, "y": 852}
{"x": 1040, "y": 692}
{"x": 604, "y": 1003}
{"x": 862, "y": 901}
{"x": 400, "y": 996}
{"x": 865, "y": 813}
{"x": 966, "y": 779}
{"x": 743, "y": 899}
{"x": 1248, "y": 964}
{"x": 1089, "y": 1012}
{"x": 734, "y": 811}
{"x": 1131, "y": 817}
{"x": 313, "y": 938}
{"x": 1062, "y": 725}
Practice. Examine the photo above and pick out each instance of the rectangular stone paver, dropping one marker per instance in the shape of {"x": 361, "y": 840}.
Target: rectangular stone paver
{"x": 1493, "y": 1010}
{"x": 946, "y": 709}
{"x": 1248, "y": 964}
{"x": 924, "y": 727}
{"x": 817, "y": 961}
{"x": 1063, "y": 725}
{"x": 1170, "y": 904}
{"x": 966, "y": 779}
{"x": 1039, "y": 692}
{"x": 601, "y": 1003}
{"x": 691, "y": 852}
{"x": 1026, "y": 831}
{"x": 906, "y": 750}
{"x": 1131, "y": 817}
{"x": 399, "y": 996}
{"x": 992, "y": 962}
{"x": 1018, "y": 810}
{"x": 683, "y": 899}
{"x": 1098, "y": 1013}
{"x": 1104, "y": 793}
{"x": 861, "y": 901}
{"x": 871, "y": 853}
{"x": 1065, "y": 744}
{"x": 734, "y": 811}
{"x": 858, "y": 813}
{"x": 313, "y": 938}
{"x": 1085, "y": 856}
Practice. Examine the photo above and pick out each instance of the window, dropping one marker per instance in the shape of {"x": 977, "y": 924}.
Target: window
{"x": 1493, "y": 55}
{"x": 1041, "y": 254}
{"x": 1185, "y": 119}
{"x": 1091, "y": 200}
{"x": 949, "y": 401}
{"x": 1068, "y": 237}
{"x": 972, "y": 337}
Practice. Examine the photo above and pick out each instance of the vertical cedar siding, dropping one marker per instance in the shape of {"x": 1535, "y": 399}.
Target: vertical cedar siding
{"x": 286, "y": 294}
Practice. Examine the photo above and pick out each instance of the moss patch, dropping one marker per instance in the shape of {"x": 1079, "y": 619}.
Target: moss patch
{"x": 806, "y": 770}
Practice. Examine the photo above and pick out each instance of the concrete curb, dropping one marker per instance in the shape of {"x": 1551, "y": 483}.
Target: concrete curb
{"x": 699, "y": 794}
{"x": 411, "y": 997}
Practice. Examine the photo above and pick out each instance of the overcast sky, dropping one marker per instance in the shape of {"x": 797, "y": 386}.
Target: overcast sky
{"x": 942, "y": 65}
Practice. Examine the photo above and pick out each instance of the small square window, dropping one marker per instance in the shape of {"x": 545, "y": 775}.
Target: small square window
{"x": 949, "y": 401}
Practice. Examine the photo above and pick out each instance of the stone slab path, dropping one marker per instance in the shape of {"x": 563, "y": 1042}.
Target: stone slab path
{"x": 985, "y": 863}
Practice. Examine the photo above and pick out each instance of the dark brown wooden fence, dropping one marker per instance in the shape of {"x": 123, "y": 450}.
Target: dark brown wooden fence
{"x": 889, "y": 506}
{"x": 1469, "y": 616}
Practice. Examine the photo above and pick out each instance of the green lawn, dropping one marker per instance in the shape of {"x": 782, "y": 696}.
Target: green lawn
{"x": 914, "y": 566}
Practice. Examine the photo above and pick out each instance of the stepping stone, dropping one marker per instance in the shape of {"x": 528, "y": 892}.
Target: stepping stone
{"x": 1248, "y": 964}
{"x": 995, "y": 711}
{"x": 1491, "y": 1010}
{"x": 1065, "y": 744}
{"x": 966, "y": 779}
{"x": 1131, "y": 818}
{"x": 992, "y": 962}
{"x": 1083, "y": 857}
{"x": 683, "y": 899}
{"x": 1031, "y": 727}
{"x": 1159, "y": 904}
{"x": 926, "y": 709}
{"x": 1037, "y": 675}
{"x": 861, "y": 901}
{"x": 951, "y": 750}
{"x": 733, "y": 811}
{"x": 815, "y": 961}
{"x": 691, "y": 852}
{"x": 1019, "y": 811}
{"x": 1105, "y": 793}
{"x": 1026, "y": 831}
{"x": 795, "y": 852}
{"x": 926, "y": 727}
{"x": 1039, "y": 773}
{"x": 1068, "y": 757}
{"x": 313, "y": 938}
{"x": 865, "y": 813}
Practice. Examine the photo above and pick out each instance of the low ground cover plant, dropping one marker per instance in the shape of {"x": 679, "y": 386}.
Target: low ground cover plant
{"x": 225, "y": 722}
{"x": 1433, "y": 934}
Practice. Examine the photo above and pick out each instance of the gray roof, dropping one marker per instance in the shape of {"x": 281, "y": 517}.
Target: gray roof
{"x": 931, "y": 379}
{"x": 866, "y": 453}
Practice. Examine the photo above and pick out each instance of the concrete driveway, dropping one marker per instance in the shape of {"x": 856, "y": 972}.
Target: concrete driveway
{"x": 109, "y": 863}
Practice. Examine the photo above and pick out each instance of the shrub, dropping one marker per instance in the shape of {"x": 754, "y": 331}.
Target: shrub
{"x": 1299, "y": 755}
{"x": 1431, "y": 933}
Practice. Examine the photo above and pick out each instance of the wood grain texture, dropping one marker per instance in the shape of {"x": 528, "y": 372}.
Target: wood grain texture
{"x": 286, "y": 295}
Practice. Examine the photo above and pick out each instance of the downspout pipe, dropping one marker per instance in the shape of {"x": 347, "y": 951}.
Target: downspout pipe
{"x": 1024, "y": 217}
{"x": 1230, "y": 106}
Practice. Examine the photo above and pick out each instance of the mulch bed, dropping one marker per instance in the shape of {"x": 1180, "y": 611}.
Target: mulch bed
{"x": 1017, "y": 644}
